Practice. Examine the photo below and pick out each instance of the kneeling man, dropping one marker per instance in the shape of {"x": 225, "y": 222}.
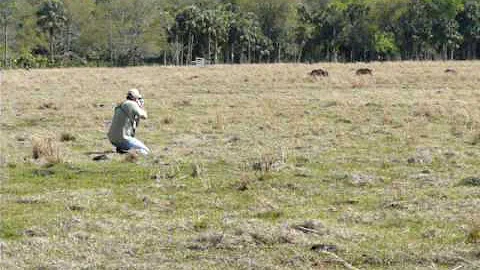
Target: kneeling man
{"x": 126, "y": 118}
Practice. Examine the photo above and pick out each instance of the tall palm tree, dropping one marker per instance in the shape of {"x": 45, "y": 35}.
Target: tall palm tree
{"x": 51, "y": 18}
{"x": 6, "y": 12}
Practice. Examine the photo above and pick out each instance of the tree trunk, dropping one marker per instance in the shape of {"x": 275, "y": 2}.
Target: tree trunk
{"x": 188, "y": 60}
{"x": 328, "y": 56}
{"x": 209, "y": 46}
{"x": 52, "y": 46}
{"x": 249, "y": 52}
{"x": 474, "y": 50}
{"x": 177, "y": 51}
{"x": 445, "y": 52}
{"x": 414, "y": 54}
{"x": 254, "y": 51}
{"x": 254, "y": 54}
{"x": 468, "y": 50}
{"x": 334, "y": 49}
{"x": 110, "y": 39}
{"x": 216, "y": 49}
{"x": 279, "y": 57}
{"x": 69, "y": 37}
{"x": 295, "y": 54}
{"x": 182, "y": 49}
{"x": 299, "y": 53}
{"x": 190, "y": 50}
{"x": 5, "y": 52}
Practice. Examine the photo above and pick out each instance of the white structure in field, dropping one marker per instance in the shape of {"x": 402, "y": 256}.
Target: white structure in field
{"x": 200, "y": 62}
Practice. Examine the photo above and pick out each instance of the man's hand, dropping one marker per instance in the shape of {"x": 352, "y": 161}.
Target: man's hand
{"x": 141, "y": 102}
{"x": 141, "y": 108}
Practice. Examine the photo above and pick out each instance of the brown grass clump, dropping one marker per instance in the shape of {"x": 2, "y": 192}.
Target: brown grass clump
{"x": 474, "y": 139}
{"x": 243, "y": 183}
{"x": 269, "y": 161}
{"x": 451, "y": 71}
{"x": 48, "y": 105}
{"x": 387, "y": 117}
{"x": 474, "y": 235}
{"x": 429, "y": 110}
{"x": 67, "y": 137}
{"x": 319, "y": 73}
{"x": 131, "y": 156}
{"x": 197, "y": 170}
{"x": 169, "y": 119}
{"x": 364, "y": 71}
{"x": 473, "y": 232}
{"x": 46, "y": 148}
{"x": 219, "y": 122}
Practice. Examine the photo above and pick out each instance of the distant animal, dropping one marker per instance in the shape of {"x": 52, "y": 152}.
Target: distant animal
{"x": 451, "y": 71}
{"x": 364, "y": 71}
{"x": 319, "y": 72}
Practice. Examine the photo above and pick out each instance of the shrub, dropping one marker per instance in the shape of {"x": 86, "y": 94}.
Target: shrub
{"x": 28, "y": 60}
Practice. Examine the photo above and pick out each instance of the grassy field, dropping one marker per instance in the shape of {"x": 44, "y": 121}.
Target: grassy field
{"x": 253, "y": 167}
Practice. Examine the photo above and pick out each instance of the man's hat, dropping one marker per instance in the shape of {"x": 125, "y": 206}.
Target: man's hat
{"x": 134, "y": 93}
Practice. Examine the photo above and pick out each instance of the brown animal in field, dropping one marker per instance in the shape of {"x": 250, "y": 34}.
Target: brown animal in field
{"x": 319, "y": 72}
{"x": 364, "y": 71}
{"x": 451, "y": 71}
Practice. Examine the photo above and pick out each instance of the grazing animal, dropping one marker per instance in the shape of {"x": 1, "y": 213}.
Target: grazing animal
{"x": 319, "y": 72}
{"x": 451, "y": 71}
{"x": 364, "y": 71}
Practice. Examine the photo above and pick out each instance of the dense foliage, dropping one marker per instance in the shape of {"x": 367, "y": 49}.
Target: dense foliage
{"x": 37, "y": 33}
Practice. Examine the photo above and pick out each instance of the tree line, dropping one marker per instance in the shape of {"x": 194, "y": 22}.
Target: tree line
{"x": 43, "y": 33}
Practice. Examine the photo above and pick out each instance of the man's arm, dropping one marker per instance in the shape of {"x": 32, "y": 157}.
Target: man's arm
{"x": 143, "y": 114}
{"x": 138, "y": 111}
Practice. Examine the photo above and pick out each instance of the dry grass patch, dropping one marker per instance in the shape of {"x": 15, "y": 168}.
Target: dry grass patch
{"x": 244, "y": 158}
{"x": 47, "y": 149}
